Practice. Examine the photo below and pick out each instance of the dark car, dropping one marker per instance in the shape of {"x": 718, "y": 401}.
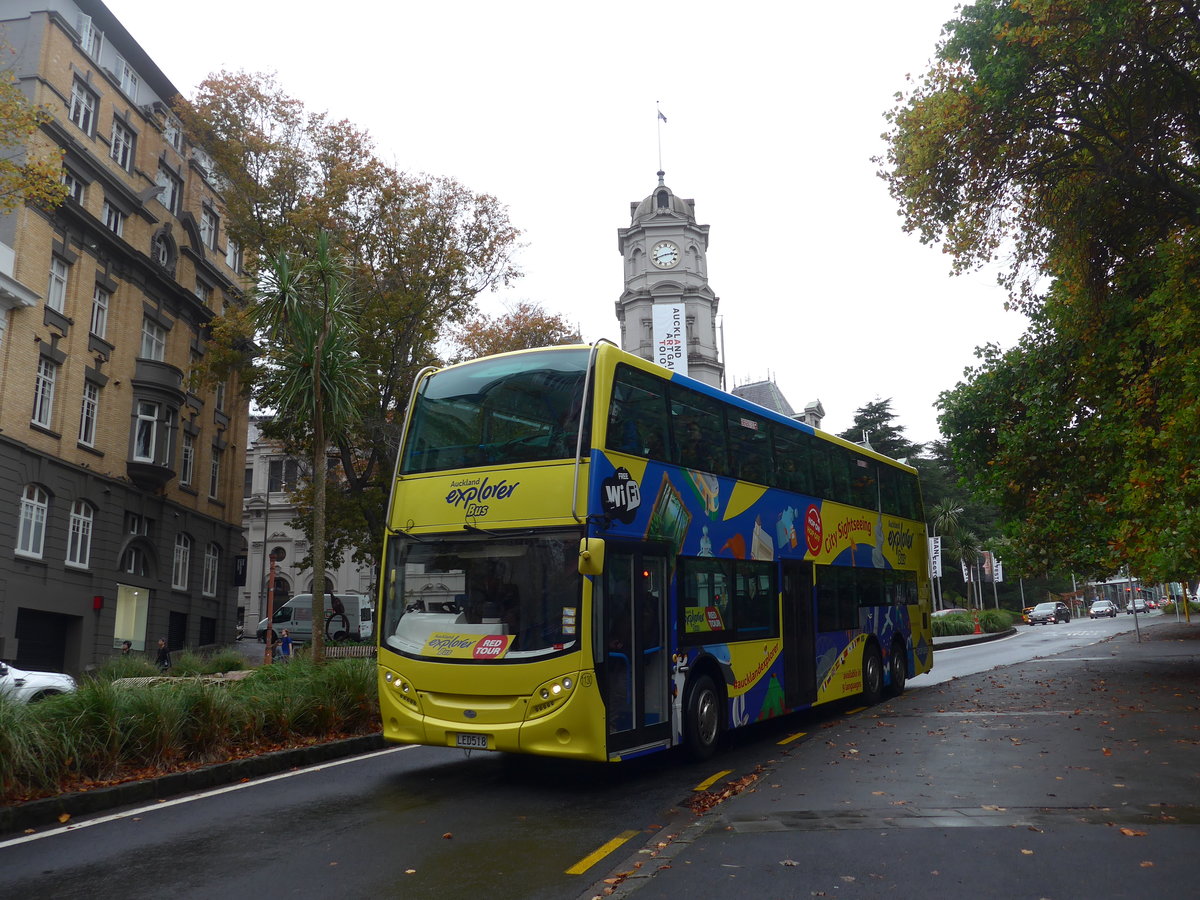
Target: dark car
{"x": 1049, "y": 614}
{"x": 1103, "y": 608}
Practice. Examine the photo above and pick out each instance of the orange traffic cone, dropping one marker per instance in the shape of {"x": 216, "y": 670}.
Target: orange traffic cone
{"x": 978, "y": 630}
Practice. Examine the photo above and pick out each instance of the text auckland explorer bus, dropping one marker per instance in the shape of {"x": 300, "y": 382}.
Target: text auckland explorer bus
{"x": 591, "y": 557}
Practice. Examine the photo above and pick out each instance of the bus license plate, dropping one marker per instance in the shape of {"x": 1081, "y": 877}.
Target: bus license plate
{"x": 472, "y": 741}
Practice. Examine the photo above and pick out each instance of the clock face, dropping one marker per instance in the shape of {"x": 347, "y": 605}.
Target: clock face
{"x": 664, "y": 254}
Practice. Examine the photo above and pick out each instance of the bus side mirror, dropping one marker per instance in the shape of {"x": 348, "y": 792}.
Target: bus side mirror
{"x": 591, "y": 556}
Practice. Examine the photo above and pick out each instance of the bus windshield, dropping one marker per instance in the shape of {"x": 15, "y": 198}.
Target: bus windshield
{"x": 444, "y": 597}
{"x": 502, "y": 410}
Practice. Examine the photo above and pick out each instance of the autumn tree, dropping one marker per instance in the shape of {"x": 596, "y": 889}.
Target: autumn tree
{"x": 1060, "y": 136}
{"x": 30, "y": 169}
{"x": 419, "y": 250}
{"x": 876, "y": 424}
{"x": 523, "y": 326}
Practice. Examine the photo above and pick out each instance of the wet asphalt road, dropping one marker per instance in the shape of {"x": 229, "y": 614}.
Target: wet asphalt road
{"x": 1072, "y": 775}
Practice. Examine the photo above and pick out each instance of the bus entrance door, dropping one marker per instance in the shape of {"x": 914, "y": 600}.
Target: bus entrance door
{"x": 636, "y": 667}
{"x": 800, "y": 664}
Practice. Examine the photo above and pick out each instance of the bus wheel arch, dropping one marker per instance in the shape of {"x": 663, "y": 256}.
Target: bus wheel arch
{"x": 872, "y": 673}
{"x": 897, "y": 669}
{"x": 703, "y": 713}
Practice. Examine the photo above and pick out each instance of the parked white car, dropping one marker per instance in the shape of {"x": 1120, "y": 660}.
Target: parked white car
{"x": 26, "y": 687}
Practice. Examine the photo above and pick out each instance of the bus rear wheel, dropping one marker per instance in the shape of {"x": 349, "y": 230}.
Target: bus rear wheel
{"x": 898, "y": 665}
{"x": 702, "y": 719}
{"x": 872, "y": 674}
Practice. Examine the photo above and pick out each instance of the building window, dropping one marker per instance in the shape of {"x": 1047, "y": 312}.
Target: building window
{"x": 56, "y": 292}
{"x": 128, "y": 78}
{"x": 187, "y": 463}
{"x": 114, "y": 219}
{"x": 134, "y": 562}
{"x": 31, "y": 530}
{"x": 219, "y": 396}
{"x": 173, "y": 133}
{"x": 154, "y": 340}
{"x": 75, "y": 186}
{"x": 161, "y": 251}
{"x": 172, "y": 189}
{"x": 145, "y": 435}
{"x": 100, "y": 299}
{"x": 79, "y": 540}
{"x": 214, "y": 478}
{"x": 91, "y": 38}
{"x": 212, "y": 563}
{"x": 183, "y": 559}
{"x": 87, "y": 414}
{"x": 43, "y": 393}
{"x": 204, "y": 293}
{"x": 135, "y": 523}
{"x": 83, "y": 107}
{"x": 209, "y": 225}
{"x": 282, "y": 475}
{"x": 233, "y": 255}
{"x": 121, "y": 149}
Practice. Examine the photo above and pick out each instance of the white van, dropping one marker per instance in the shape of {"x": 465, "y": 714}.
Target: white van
{"x": 355, "y": 621}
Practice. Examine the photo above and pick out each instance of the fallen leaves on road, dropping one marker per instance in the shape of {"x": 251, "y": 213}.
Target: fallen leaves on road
{"x": 1129, "y": 832}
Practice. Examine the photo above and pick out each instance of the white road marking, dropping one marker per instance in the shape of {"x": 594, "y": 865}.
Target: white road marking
{"x": 142, "y": 810}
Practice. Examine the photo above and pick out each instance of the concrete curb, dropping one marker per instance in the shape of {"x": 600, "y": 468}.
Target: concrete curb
{"x": 949, "y": 642}
{"x": 47, "y": 811}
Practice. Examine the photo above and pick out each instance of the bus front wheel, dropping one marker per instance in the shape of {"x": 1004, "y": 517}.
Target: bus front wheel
{"x": 702, "y": 719}
{"x": 872, "y": 675}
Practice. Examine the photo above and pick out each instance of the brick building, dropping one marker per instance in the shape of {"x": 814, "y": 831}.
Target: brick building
{"x": 121, "y": 474}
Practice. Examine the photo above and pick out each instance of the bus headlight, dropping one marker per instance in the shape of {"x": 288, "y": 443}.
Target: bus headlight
{"x": 402, "y": 688}
{"x": 550, "y": 696}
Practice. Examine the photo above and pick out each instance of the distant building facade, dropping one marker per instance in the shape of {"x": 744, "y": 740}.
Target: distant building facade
{"x": 266, "y": 513}
{"x": 121, "y": 475}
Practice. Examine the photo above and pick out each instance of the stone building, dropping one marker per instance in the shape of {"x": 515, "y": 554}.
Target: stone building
{"x": 122, "y": 473}
{"x": 267, "y": 512}
{"x": 668, "y": 311}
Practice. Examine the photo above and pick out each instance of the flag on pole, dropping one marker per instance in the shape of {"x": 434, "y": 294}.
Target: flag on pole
{"x": 661, "y": 116}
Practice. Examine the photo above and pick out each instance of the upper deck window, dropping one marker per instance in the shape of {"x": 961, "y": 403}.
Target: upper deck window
{"x": 497, "y": 411}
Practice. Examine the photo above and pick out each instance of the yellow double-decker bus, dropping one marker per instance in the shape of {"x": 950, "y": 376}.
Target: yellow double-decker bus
{"x": 589, "y": 556}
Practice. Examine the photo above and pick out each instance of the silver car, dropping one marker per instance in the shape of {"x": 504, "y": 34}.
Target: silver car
{"x": 26, "y": 687}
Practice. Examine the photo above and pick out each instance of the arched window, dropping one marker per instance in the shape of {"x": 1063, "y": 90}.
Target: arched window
{"x": 183, "y": 559}
{"x": 31, "y": 532}
{"x": 79, "y": 537}
{"x": 212, "y": 564}
{"x": 663, "y": 200}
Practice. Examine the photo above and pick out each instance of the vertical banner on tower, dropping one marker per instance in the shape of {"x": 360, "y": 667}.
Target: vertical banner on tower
{"x": 668, "y": 326}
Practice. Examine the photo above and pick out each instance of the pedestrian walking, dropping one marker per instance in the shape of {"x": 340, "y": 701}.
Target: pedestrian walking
{"x": 285, "y": 646}
{"x": 163, "y": 659}
{"x": 126, "y": 648}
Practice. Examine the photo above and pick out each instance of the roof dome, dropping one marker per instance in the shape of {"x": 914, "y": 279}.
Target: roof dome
{"x": 663, "y": 200}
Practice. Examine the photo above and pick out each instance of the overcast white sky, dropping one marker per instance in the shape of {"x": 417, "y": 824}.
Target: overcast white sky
{"x": 774, "y": 111}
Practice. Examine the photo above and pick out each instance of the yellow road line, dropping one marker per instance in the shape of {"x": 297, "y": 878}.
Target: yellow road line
{"x": 709, "y": 782}
{"x": 592, "y": 858}
{"x": 793, "y": 737}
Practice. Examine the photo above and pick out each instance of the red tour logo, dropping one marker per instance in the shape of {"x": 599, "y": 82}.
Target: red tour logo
{"x": 812, "y": 530}
{"x": 491, "y": 647}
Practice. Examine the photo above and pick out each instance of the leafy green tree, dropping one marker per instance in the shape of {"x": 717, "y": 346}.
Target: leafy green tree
{"x": 1061, "y": 135}
{"x": 419, "y": 250}
{"x": 312, "y": 375}
{"x": 876, "y": 423}
{"x": 524, "y": 326}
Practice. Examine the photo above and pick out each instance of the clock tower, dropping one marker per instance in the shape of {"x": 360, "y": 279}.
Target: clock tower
{"x": 667, "y": 311}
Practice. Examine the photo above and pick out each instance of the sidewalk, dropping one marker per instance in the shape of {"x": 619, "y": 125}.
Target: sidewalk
{"x": 1067, "y": 776}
